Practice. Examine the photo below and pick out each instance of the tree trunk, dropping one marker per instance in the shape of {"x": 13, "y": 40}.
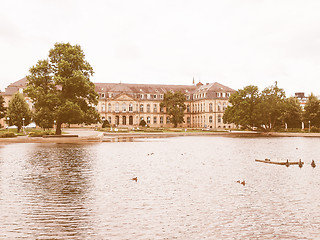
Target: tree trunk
{"x": 58, "y": 129}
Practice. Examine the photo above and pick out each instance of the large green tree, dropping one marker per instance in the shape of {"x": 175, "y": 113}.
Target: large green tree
{"x": 61, "y": 89}
{"x": 292, "y": 113}
{"x": 312, "y": 111}
{"x": 272, "y": 106}
{"x": 175, "y": 107}
{"x": 18, "y": 111}
{"x": 2, "y": 107}
{"x": 243, "y": 109}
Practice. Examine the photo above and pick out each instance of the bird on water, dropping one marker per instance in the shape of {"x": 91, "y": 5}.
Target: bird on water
{"x": 135, "y": 179}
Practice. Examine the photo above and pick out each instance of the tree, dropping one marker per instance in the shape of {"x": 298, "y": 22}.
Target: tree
{"x": 2, "y": 107}
{"x": 175, "y": 107}
{"x": 243, "y": 110}
{"x": 312, "y": 111}
{"x": 61, "y": 89}
{"x": 18, "y": 111}
{"x": 292, "y": 113}
{"x": 271, "y": 106}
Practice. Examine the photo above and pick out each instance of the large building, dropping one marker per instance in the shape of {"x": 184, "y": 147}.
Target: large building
{"x": 127, "y": 104}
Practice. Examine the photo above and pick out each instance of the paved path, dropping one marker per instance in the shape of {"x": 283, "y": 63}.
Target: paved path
{"x": 83, "y": 133}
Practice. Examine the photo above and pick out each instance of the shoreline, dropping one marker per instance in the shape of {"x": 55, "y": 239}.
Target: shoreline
{"x": 114, "y": 137}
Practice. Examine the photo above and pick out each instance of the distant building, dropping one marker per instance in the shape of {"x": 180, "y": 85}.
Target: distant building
{"x": 301, "y": 98}
{"x": 125, "y": 104}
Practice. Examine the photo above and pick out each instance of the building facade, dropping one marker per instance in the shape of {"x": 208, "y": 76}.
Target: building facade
{"x": 126, "y": 105}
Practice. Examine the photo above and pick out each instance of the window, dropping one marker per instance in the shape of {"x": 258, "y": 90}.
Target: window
{"x": 109, "y": 119}
{"x": 210, "y": 107}
{"x": 219, "y": 107}
{"x": 228, "y": 94}
{"x": 148, "y": 108}
{"x": 124, "y": 107}
{"x": 109, "y": 107}
{"x": 218, "y": 94}
{"x": 148, "y": 96}
{"x": 161, "y": 109}
{"x": 148, "y": 119}
{"x": 168, "y": 119}
{"x": 103, "y": 108}
{"x": 219, "y": 118}
{"x": 130, "y": 107}
{"x": 155, "y": 108}
{"x": 224, "y": 94}
{"x": 210, "y": 119}
{"x": 155, "y": 96}
{"x": 161, "y": 96}
{"x": 102, "y": 95}
{"x": 188, "y": 108}
{"x": 188, "y": 97}
{"x": 117, "y": 107}
{"x": 141, "y": 96}
{"x": 188, "y": 120}
{"x": 141, "y": 107}
{"x": 161, "y": 120}
{"x": 224, "y": 106}
{"x": 110, "y": 95}
{"x": 155, "y": 120}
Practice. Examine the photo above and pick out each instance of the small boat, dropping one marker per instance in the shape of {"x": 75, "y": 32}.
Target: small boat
{"x": 286, "y": 162}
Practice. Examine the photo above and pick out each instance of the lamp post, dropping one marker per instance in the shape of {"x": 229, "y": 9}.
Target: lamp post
{"x": 103, "y": 119}
{"x": 23, "y": 124}
{"x": 309, "y": 125}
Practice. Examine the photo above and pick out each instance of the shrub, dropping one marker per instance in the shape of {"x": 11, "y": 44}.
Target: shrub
{"x": 142, "y": 123}
{"x": 314, "y": 130}
{"x": 7, "y": 135}
{"x": 40, "y": 133}
{"x": 105, "y": 124}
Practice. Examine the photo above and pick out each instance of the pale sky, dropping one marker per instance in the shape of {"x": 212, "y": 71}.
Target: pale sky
{"x": 233, "y": 42}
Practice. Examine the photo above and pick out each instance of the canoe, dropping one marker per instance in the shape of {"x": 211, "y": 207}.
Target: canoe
{"x": 278, "y": 162}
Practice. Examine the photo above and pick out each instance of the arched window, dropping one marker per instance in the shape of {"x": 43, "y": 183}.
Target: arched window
{"x": 210, "y": 119}
{"x": 219, "y": 107}
{"x": 219, "y": 118}
{"x": 141, "y": 107}
{"x": 188, "y": 108}
{"x": 155, "y": 108}
{"x": 103, "y": 107}
{"x": 109, "y": 107}
{"x": 117, "y": 107}
{"x": 210, "y": 107}
{"x": 148, "y": 108}
{"x": 124, "y": 107}
{"x": 130, "y": 107}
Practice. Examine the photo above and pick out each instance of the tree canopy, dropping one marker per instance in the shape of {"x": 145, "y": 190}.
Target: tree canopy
{"x": 175, "y": 107}
{"x": 266, "y": 110}
{"x": 2, "y": 107}
{"x": 61, "y": 89}
{"x": 18, "y": 111}
{"x": 312, "y": 111}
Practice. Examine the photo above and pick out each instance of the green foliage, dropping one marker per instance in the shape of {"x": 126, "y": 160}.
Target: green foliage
{"x": 312, "y": 111}
{"x": 61, "y": 89}
{"x": 175, "y": 107}
{"x": 264, "y": 110}
{"x": 40, "y": 133}
{"x": 272, "y": 106}
{"x": 244, "y": 109}
{"x": 142, "y": 123}
{"x": 292, "y": 113}
{"x": 2, "y": 107}
{"x": 17, "y": 110}
{"x": 7, "y": 135}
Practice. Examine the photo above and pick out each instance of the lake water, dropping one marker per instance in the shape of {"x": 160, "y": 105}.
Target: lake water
{"x": 186, "y": 189}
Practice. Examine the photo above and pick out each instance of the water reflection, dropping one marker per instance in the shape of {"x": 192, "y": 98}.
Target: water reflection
{"x": 187, "y": 189}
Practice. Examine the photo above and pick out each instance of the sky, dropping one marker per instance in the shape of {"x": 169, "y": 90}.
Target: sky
{"x": 234, "y": 42}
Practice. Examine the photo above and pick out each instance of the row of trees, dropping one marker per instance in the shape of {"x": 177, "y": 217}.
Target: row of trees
{"x": 270, "y": 109}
